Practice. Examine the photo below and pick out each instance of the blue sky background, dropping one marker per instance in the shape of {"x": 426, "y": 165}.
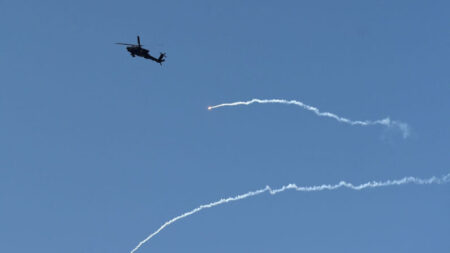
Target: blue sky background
{"x": 98, "y": 149}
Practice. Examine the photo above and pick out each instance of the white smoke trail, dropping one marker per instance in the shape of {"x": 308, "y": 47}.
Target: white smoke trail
{"x": 342, "y": 184}
{"x": 404, "y": 128}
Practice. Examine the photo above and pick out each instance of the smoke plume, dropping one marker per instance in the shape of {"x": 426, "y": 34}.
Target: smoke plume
{"x": 342, "y": 184}
{"x": 403, "y": 127}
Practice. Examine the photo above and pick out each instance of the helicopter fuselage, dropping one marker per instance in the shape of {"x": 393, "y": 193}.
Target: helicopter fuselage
{"x": 142, "y": 52}
{"x": 139, "y": 51}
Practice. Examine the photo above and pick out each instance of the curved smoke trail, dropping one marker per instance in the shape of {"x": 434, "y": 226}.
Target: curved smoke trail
{"x": 342, "y": 184}
{"x": 404, "y": 128}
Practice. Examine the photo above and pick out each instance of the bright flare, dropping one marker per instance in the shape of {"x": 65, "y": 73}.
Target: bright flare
{"x": 403, "y": 127}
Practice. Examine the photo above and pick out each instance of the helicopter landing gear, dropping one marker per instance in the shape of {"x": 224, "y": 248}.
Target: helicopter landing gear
{"x": 133, "y": 55}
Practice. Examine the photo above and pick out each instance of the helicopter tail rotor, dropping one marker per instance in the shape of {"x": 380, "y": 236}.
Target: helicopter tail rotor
{"x": 161, "y": 58}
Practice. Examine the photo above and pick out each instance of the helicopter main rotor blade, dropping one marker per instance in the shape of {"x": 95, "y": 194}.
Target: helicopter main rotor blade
{"x": 139, "y": 41}
{"x": 126, "y": 44}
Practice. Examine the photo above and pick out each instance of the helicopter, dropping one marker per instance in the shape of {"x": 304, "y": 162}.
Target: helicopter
{"x": 142, "y": 52}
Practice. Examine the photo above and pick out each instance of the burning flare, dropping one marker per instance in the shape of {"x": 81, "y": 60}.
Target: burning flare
{"x": 403, "y": 127}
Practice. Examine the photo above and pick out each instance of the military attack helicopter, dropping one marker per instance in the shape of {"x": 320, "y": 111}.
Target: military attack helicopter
{"x": 142, "y": 52}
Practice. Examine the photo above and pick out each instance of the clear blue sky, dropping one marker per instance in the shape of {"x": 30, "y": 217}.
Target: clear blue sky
{"x": 98, "y": 149}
